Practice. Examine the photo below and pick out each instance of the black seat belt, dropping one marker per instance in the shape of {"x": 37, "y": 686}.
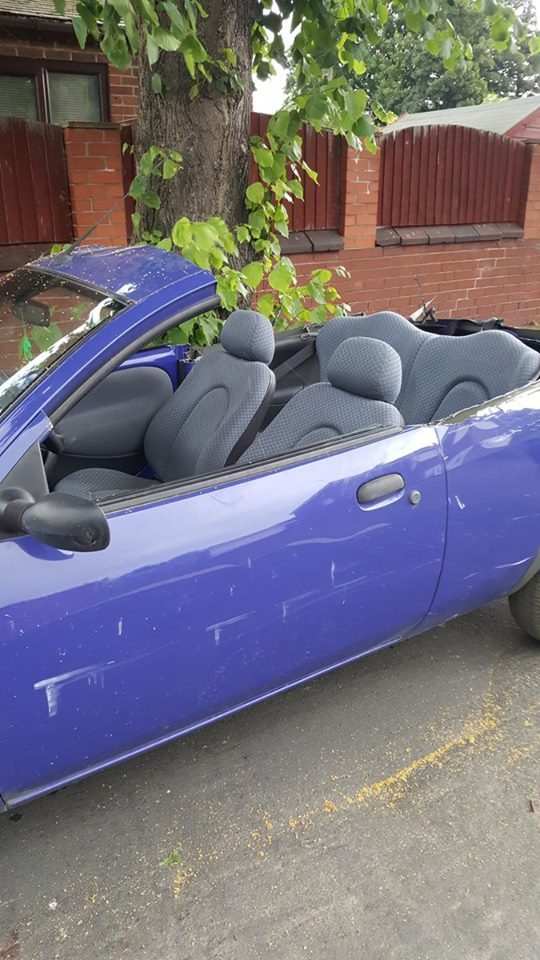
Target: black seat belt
{"x": 288, "y": 365}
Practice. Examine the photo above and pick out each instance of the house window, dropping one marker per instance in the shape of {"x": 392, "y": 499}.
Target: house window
{"x": 18, "y": 97}
{"x": 54, "y": 92}
{"x": 74, "y": 96}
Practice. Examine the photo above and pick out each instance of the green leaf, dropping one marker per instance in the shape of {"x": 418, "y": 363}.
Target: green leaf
{"x": 253, "y": 273}
{"x": 115, "y": 48}
{"x": 151, "y": 199}
{"x": 382, "y": 13}
{"x": 190, "y": 66}
{"x": 81, "y": 31}
{"x": 363, "y": 127}
{"x": 174, "y": 15}
{"x": 322, "y": 275}
{"x": 170, "y": 169}
{"x": 266, "y": 304}
{"x": 132, "y": 33}
{"x": 230, "y": 56}
{"x": 181, "y": 334}
{"x": 263, "y": 156}
{"x": 152, "y": 49}
{"x": 355, "y": 103}
{"x": 255, "y": 192}
{"x": 147, "y": 10}
{"x": 257, "y": 222}
{"x": 122, "y": 7}
{"x": 192, "y": 45}
{"x": 316, "y": 108}
{"x": 172, "y": 858}
{"x": 281, "y": 277}
{"x": 181, "y": 232}
{"x": 89, "y": 19}
{"x": 204, "y": 235}
{"x": 296, "y": 188}
{"x": 138, "y": 186}
{"x": 156, "y": 83}
{"x": 165, "y": 40}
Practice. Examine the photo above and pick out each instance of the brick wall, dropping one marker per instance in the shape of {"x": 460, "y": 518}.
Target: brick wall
{"x": 477, "y": 280}
{"x": 94, "y": 162}
{"x": 123, "y": 91}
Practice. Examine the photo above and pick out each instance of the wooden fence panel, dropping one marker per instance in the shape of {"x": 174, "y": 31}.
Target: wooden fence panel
{"x": 441, "y": 175}
{"x": 34, "y": 190}
{"x": 321, "y": 207}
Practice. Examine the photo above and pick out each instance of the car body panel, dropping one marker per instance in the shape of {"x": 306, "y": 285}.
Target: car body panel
{"x": 133, "y": 273}
{"x": 210, "y": 600}
{"x": 492, "y": 461}
{"x": 218, "y": 593}
{"x": 164, "y": 357}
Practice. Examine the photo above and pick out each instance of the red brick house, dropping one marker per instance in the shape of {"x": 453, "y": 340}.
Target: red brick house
{"x": 45, "y": 76}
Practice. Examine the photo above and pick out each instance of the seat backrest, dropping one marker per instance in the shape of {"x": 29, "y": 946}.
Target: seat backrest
{"x": 364, "y": 379}
{"x": 387, "y": 326}
{"x": 216, "y": 411}
{"x": 453, "y": 373}
{"x": 441, "y": 374}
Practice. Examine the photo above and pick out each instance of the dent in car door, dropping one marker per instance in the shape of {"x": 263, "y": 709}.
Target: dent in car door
{"x": 209, "y": 600}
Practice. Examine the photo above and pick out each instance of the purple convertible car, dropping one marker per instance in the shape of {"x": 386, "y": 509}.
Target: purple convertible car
{"x": 175, "y": 548}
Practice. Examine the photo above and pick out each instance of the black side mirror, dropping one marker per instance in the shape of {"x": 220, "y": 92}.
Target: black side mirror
{"x": 59, "y": 520}
{"x": 33, "y": 312}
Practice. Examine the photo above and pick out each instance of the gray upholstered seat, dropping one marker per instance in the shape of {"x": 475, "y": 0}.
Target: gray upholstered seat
{"x": 210, "y": 419}
{"x": 364, "y": 380}
{"x": 441, "y": 374}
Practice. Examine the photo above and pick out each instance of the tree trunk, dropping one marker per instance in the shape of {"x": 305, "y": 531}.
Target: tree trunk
{"x": 211, "y": 131}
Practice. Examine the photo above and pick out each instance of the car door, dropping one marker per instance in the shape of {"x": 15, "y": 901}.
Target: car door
{"x": 209, "y": 597}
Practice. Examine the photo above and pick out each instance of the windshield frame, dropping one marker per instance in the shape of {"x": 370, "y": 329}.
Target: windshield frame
{"x": 118, "y": 302}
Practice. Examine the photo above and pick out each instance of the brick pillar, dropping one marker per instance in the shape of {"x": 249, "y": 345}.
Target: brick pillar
{"x": 94, "y": 162}
{"x": 531, "y": 226}
{"x": 361, "y": 198}
{"x": 123, "y": 94}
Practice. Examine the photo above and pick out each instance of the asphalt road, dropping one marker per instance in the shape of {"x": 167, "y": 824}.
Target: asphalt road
{"x": 383, "y": 811}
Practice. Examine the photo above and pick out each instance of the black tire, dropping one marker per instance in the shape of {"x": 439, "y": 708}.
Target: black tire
{"x": 525, "y": 607}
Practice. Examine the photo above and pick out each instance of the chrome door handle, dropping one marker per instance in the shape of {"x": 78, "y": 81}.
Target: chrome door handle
{"x": 380, "y": 488}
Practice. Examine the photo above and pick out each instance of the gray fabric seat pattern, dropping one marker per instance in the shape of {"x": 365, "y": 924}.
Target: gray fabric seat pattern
{"x": 441, "y": 374}
{"x": 364, "y": 379}
{"x": 99, "y": 483}
{"x": 210, "y": 419}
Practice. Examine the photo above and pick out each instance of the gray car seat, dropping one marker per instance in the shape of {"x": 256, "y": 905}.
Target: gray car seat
{"x": 364, "y": 380}
{"x": 441, "y": 374}
{"x": 210, "y": 419}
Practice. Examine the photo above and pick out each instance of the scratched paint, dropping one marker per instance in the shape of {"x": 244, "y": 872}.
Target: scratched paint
{"x": 94, "y": 675}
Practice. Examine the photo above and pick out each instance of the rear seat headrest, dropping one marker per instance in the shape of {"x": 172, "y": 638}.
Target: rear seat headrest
{"x": 367, "y": 367}
{"x": 248, "y": 335}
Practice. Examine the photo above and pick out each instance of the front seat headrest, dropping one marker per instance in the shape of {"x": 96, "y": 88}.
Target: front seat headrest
{"x": 367, "y": 367}
{"x": 248, "y": 335}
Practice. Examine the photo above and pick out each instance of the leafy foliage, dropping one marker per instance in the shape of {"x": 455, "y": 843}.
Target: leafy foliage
{"x": 490, "y": 74}
{"x": 329, "y": 59}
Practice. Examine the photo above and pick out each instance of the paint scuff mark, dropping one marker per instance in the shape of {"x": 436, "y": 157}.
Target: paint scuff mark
{"x": 94, "y": 675}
